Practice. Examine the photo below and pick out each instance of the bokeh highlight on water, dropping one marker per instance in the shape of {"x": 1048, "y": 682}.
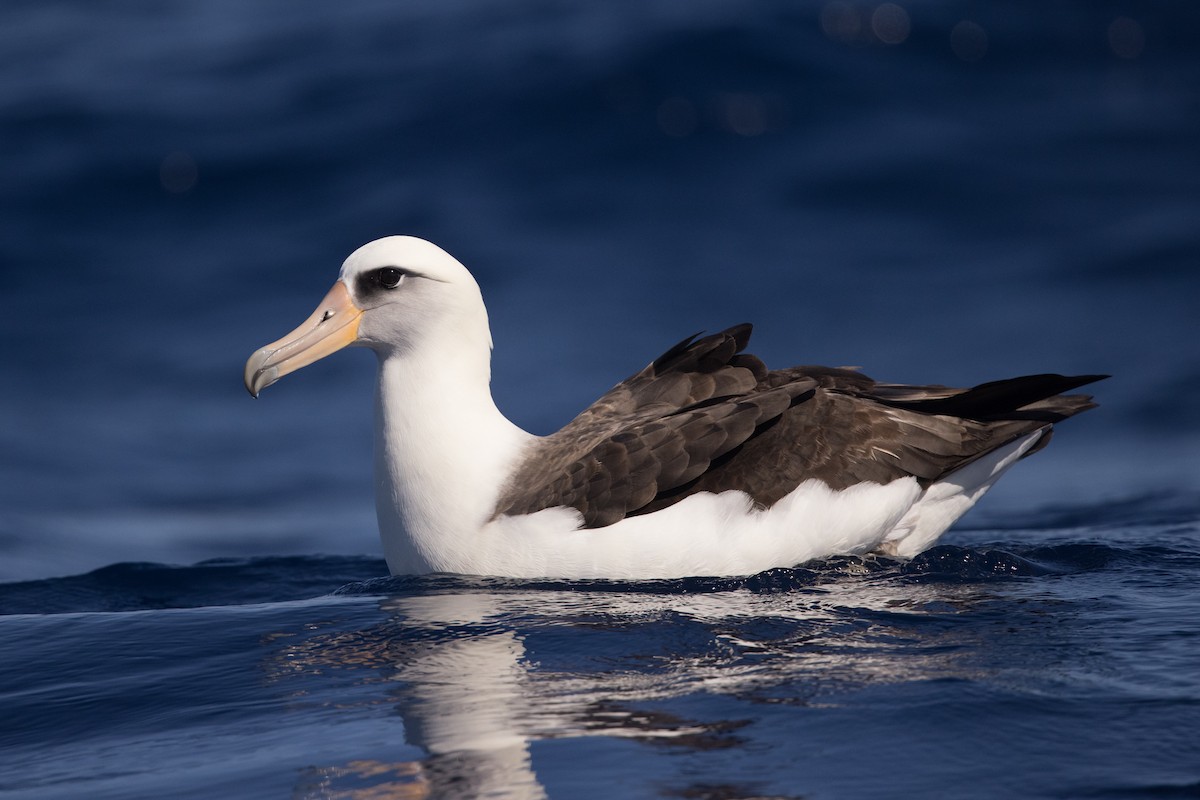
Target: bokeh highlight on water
{"x": 937, "y": 192}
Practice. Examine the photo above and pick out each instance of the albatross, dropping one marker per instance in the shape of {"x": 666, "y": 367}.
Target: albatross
{"x": 706, "y": 462}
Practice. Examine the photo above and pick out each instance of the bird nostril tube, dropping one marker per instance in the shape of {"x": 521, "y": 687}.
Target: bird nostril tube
{"x": 328, "y": 313}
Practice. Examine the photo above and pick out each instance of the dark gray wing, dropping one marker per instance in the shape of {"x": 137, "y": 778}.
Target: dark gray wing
{"x": 653, "y": 433}
{"x": 706, "y": 417}
{"x": 847, "y": 437}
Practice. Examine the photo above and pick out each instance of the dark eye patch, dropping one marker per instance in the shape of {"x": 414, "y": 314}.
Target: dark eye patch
{"x": 380, "y": 279}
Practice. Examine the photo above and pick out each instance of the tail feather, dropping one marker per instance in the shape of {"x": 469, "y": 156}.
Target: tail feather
{"x": 1033, "y": 397}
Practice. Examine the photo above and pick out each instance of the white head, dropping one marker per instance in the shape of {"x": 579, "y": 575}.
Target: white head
{"x": 396, "y": 295}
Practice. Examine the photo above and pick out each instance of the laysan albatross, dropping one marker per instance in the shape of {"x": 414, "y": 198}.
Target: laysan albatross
{"x": 704, "y": 463}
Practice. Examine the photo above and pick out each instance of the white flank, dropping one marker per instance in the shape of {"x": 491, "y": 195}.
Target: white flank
{"x": 951, "y": 497}
{"x": 704, "y": 534}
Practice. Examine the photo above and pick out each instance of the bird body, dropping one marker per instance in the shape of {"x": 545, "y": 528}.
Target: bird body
{"x": 703, "y": 463}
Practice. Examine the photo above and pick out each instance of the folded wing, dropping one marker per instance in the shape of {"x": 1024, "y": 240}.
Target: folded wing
{"x": 706, "y": 417}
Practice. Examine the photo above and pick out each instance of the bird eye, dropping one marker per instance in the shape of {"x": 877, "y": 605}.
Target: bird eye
{"x": 389, "y": 277}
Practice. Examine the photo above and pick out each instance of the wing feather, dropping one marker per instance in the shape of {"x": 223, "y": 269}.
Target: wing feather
{"x": 705, "y": 416}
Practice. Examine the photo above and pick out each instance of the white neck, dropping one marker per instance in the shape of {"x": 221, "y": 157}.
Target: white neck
{"x": 442, "y": 453}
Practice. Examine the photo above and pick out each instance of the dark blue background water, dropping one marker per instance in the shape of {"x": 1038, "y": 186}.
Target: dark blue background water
{"x": 949, "y": 192}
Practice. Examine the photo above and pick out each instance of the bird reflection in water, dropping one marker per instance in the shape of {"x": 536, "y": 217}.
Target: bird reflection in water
{"x": 480, "y": 673}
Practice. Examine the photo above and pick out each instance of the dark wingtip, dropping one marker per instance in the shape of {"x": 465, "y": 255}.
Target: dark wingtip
{"x": 1041, "y": 396}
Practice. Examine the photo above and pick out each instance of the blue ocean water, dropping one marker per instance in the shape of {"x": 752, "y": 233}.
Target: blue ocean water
{"x": 192, "y": 600}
